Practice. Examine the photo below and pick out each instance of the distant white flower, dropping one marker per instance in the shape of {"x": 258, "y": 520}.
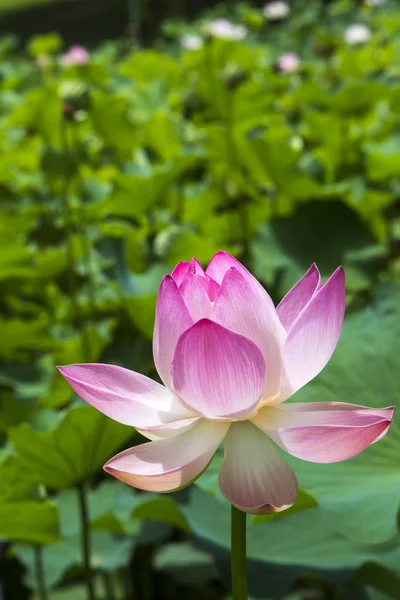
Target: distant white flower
{"x": 288, "y": 62}
{"x": 357, "y": 34}
{"x": 274, "y": 11}
{"x": 192, "y": 41}
{"x": 222, "y": 28}
{"x": 296, "y": 143}
{"x": 374, "y": 2}
{"x": 75, "y": 55}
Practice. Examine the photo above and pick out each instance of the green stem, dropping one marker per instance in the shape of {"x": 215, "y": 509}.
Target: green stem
{"x": 135, "y": 18}
{"x": 180, "y": 9}
{"x": 85, "y": 533}
{"x": 245, "y": 234}
{"x": 180, "y": 204}
{"x": 39, "y": 569}
{"x": 230, "y": 145}
{"x": 68, "y": 218}
{"x": 145, "y": 560}
{"x": 238, "y": 554}
{"x": 108, "y": 581}
{"x": 87, "y": 251}
{"x": 127, "y": 583}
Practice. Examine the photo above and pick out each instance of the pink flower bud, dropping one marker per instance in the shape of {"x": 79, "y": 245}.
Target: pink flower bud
{"x": 75, "y": 55}
{"x": 289, "y": 62}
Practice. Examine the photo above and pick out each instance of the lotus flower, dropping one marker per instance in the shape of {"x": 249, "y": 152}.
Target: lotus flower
{"x": 357, "y": 34}
{"x": 75, "y": 55}
{"x": 192, "y": 41}
{"x": 224, "y": 29}
{"x": 228, "y": 360}
{"x": 288, "y": 62}
{"x": 275, "y": 11}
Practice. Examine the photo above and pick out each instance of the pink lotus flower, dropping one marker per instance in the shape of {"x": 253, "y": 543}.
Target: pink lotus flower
{"x": 76, "y": 55}
{"x": 229, "y": 359}
{"x": 224, "y": 29}
{"x": 288, "y": 62}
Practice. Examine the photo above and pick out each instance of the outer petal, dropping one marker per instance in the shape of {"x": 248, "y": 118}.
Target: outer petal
{"x": 253, "y": 476}
{"x": 218, "y": 373}
{"x": 313, "y": 336}
{"x": 221, "y": 262}
{"x": 298, "y": 297}
{"x": 324, "y": 432}
{"x": 195, "y": 296}
{"x": 246, "y": 309}
{"x": 213, "y": 288}
{"x": 123, "y": 395}
{"x": 172, "y": 319}
{"x": 169, "y": 464}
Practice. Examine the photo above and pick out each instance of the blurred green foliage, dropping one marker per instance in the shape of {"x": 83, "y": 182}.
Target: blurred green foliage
{"x": 11, "y": 5}
{"x": 113, "y": 171}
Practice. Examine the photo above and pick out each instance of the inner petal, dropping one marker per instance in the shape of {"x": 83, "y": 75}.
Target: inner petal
{"x": 195, "y": 296}
{"x": 217, "y": 371}
{"x": 212, "y": 288}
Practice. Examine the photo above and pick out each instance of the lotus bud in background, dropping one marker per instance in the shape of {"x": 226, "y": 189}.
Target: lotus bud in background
{"x": 75, "y": 56}
{"x": 224, "y": 29}
{"x": 288, "y": 62}
{"x": 357, "y": 34}
{"x": 276, "y": 11}
{"x": 192, "y": 41}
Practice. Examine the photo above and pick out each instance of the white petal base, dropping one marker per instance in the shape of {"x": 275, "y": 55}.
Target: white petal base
{"x": 254, "y": 477}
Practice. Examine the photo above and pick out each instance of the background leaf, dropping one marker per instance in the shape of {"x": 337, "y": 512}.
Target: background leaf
{"x": 79, "y": 445}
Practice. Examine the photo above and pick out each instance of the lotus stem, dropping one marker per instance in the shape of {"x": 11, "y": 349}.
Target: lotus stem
{"x": 85, "y": 533}
{"x": 39, "y": 570}
{"x": 238, "y": 554}
{"x": 135, "y": 18}
{"x": 72, "y": 284}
